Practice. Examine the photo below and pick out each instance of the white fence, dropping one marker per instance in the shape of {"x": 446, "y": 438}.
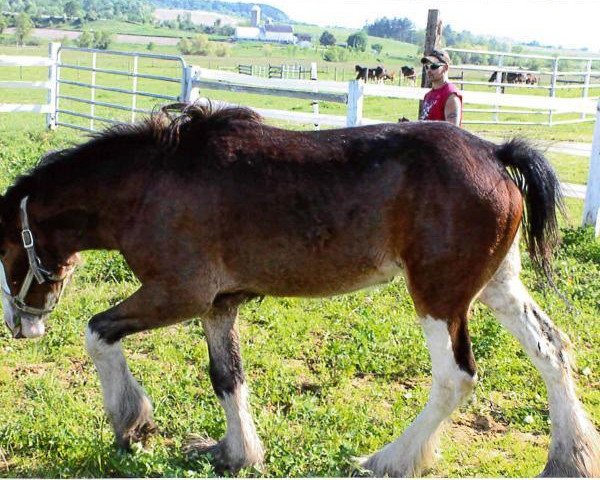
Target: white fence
{"x": 56, "y": 113}
{"x": 195, "y": 81}
{"x": 50, "y": 85}
{"x": 584, "y": 79}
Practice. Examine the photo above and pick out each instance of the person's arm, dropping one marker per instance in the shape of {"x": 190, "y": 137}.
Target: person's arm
{"x": 453, "y": 110}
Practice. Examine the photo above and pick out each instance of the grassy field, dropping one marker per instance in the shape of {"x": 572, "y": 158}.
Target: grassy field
{"x": 331, "y": 379}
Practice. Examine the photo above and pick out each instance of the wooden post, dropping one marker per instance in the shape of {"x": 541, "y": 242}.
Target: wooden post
{"x": 591, "y": 210}
{"x": 355, "y": 103}
{"x": 52, "y": 115}
{"x": 433, "y": 36}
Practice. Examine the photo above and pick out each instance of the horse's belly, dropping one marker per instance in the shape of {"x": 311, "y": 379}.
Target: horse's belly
{"x": 330, "y": 280}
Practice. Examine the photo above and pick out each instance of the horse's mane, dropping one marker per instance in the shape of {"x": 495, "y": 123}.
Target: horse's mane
{"x": 162, "y": 131}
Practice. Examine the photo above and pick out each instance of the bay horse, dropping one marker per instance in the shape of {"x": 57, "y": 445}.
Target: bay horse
{"x": 211, "y": 207}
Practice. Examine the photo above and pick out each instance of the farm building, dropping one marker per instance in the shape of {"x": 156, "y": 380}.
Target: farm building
{"x": 267, "y": 32}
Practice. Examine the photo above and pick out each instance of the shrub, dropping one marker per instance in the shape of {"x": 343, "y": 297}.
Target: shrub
{"x": 222, "y": 50}
{"x": 335, "y": 54}
{"x": 377, "y": 48}
{"x": 327, "y": 39}
{"x": 184, "y": 46}
{"x": 201, "y": 45}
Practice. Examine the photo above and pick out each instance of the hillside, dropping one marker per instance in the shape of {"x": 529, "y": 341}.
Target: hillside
{"x": 230, "y": 8}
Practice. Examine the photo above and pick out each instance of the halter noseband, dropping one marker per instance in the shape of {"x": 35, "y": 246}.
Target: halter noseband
{"x": 36, "y": 269}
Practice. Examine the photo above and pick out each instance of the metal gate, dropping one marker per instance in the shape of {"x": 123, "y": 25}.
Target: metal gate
{"x": 110, "y": 87}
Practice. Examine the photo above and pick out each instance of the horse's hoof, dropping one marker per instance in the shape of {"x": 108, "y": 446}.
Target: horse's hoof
{"x": 357, "y": 470}
{"x": 216, "y": 451}
{"x": 139, "y": 433}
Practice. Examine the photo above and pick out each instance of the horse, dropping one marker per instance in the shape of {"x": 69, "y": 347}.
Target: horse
{"x": 409, "y": 73}
{"x": 362, "y": 73}
{"x": 531, "y": 79}
{"x": 211, "y": 207}
{"x": 389, "y": 75}
{"x": 378, "y": 74}
{"x": 509, "y": 77}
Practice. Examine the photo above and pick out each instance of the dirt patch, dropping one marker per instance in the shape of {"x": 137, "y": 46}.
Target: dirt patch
{"x": 21, "y": 371}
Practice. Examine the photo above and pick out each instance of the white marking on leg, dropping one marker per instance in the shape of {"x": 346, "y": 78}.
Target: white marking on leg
{"x": 241, "y": 439}
{"x": 575, "y": 448}
{"x": 125, "y": 402}
{"x": 415, "y": 450}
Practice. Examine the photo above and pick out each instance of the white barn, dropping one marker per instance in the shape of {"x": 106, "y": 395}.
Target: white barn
{"x": 278, "y": 33}
{"x": 247, "y": 33}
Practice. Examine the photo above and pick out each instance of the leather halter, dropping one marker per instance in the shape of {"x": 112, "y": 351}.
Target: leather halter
{"x": 36, "y": 270}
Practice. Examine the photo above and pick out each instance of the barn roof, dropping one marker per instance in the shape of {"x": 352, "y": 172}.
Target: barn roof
{"x": 279, "y": 28}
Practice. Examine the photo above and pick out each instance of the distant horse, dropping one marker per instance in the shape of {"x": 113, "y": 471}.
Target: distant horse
{"x": 362, "y": 73}
{"x": 409, "y": 73}
{"x": 509, "y": 77}
{"x": 365, "y": 74}
{"x": 213, "y": 207}
{"x": 531, "y": 79}
{"x": 389, "y": 75}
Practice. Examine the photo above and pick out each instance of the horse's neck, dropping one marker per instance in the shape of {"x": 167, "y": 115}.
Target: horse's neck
{"x": 83, "y": 219}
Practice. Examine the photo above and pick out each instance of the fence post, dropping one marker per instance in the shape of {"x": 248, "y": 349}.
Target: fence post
{"x": 499, "y": 90}
{"x": 52, "y": 115}
{"x": 586, "y": 82}
{"x": 355, "y": 103}
{"x": 553, "y": 87}
{"x": 189, "y": 88}
{"x": 591, "y": 209}
{"x": 315, "y": 103}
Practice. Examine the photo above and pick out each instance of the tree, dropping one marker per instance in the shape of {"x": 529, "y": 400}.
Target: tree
{"x": 327, "y": 39}
{"x": 2, "y": 23}
{"x": 72, "y": 9}
{"x": 23, "y": 27}
{"x": 358, "y": 41}
{"x": 150, "y": 46}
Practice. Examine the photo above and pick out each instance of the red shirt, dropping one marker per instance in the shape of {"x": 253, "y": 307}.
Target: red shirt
{"x": 434, "y": 102}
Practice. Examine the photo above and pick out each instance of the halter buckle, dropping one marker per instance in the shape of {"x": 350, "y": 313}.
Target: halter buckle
{"x": 27, "y": 237}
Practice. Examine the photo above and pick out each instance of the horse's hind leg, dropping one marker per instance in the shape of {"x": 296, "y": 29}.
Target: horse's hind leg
{"x": 453, "y": 370}
{"x": 240, "y": 447}
{"x": 575, "y": 448}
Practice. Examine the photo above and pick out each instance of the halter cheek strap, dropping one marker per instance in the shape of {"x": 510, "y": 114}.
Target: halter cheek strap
{"x": 36, "y": 269}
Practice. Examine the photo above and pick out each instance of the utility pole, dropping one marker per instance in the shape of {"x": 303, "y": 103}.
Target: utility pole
{"x": 433, "y": 38}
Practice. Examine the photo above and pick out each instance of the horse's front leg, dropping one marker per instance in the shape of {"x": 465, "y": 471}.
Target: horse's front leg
{"x": 127, "y": 406}
{"x": 240, "y": 447}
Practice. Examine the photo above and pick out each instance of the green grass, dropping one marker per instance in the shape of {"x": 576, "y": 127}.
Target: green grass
{"x": 331, "y": 379}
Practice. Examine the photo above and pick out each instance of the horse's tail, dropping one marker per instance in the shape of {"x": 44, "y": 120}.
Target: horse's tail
{"x": 540, "y": 187}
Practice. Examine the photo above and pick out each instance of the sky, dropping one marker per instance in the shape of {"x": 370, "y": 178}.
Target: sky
{"x": 573, "y": 23}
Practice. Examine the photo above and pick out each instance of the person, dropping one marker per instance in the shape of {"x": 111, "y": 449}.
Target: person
{"x": 444, "y": 100}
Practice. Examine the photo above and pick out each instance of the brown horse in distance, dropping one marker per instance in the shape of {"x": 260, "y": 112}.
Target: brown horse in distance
{"x": 213, "y": 207}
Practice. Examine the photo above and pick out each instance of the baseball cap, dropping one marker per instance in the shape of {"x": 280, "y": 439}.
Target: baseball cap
{"x": 435, "y": 56}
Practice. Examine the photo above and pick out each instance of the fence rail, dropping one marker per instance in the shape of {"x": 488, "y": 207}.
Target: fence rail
{"x": 555, "y": 75}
